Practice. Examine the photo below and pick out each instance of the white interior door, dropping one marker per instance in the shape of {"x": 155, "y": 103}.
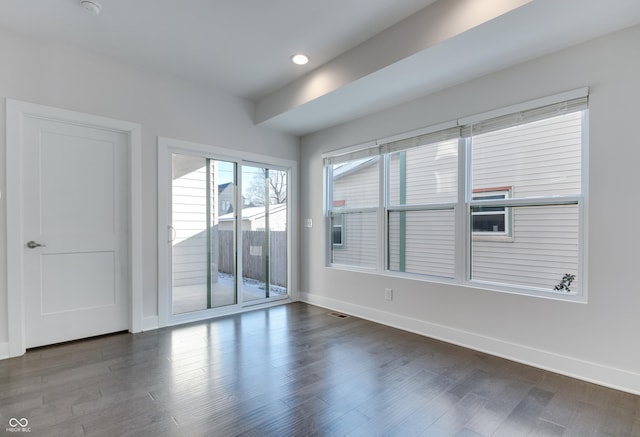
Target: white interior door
{"x": 76, "y": 274}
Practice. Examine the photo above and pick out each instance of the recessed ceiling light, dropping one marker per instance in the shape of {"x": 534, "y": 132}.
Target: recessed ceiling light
{"x": 91, "y": 6}
{"x": 300, "y": 59}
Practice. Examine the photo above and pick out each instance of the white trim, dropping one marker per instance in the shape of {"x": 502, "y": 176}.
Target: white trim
{"x": 418, "y": 132}
{"x": 397, "y": 137}
{"x": 238, "y": 241}
{"x": 224, "y": 154}
{"x": 196, "y": 316}
{"x": 381, "y": 220}
{"x": 528, "y": 201}
{"x": 166, "y": 146}
{"x": 349, "y": 149}
{"x": 583, "y": 214}
{"x": 135, "y": 226}
{"x": 523, "y": 290}
{"x": 15, "y": 299}
{"x": 423, "y": 207}
{"x": 619, "y": 379}
{"x": 462, "y": 240}
{"x": 15, "y": 113}
{"x": 164, "y": 232}
{"x": 525, "y": 106}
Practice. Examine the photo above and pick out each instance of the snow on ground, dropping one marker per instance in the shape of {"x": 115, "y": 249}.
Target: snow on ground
{"x": 190, "y": 298}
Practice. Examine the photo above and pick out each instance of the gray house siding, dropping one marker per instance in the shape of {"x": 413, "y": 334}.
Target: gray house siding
{"x": 358, "y": 188}
{"x": 189, "y": 220}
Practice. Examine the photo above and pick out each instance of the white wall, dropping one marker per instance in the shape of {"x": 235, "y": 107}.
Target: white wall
{"x": 58, "y": 76}
{"x": 597, "y": 340}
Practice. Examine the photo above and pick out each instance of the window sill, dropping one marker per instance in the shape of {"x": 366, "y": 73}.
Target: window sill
{"x": 494, "y": 238}
{"x": 528, "y": 291}
{"x": 574, "y": 297}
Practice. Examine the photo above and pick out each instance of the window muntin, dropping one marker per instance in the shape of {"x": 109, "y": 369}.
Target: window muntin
{"x": 539, "y": 151}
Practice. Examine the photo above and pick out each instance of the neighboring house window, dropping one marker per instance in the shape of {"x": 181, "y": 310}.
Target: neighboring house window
{"x": 401, "y": 202}
{"x": 226, "y": 207}
{"x": 337, "y": 231}
{"x": 491, "y": 221}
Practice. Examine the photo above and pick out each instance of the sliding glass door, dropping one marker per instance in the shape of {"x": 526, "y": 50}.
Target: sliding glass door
{"x": 224, "y": 223}
{"x": 203, "y": 255}
{"x": 264, "y": 232}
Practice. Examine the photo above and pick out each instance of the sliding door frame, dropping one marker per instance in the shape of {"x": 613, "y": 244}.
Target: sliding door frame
{"x": 281, "y": 168}
{"x": 167, "y": 147}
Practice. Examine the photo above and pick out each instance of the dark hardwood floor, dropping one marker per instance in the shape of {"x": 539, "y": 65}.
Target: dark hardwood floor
{"x": 296, "y": 371}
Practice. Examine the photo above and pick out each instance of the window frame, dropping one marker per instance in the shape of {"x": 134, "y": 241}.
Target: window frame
{"x": 167, "y": 146}
{"x": 403, "y": 207}
{"x": 581, "y": 200}
{"x": 464, "y": 235}
{"x": 330, "y": 211}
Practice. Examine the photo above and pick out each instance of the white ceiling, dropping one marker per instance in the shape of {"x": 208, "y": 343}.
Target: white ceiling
{"x": 244, "y": 46}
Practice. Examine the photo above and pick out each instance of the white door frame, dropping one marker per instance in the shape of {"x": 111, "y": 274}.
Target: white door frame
{"x": 16, "y": 112}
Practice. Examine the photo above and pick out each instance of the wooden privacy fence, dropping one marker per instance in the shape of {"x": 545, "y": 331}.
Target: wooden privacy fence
{"x": 253, "y": 260}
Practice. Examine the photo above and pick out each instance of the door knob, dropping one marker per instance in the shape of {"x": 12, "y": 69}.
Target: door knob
{"x": 32, "y": 244}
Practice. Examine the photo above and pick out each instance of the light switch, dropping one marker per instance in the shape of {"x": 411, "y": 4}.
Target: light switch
{"x": 308, "y": 223}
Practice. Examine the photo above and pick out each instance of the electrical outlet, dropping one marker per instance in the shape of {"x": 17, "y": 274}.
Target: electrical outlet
{"x": 388, "y": 294}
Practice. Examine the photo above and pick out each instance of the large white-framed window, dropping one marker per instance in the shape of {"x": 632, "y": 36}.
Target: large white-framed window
{"x": 450, "y": 198}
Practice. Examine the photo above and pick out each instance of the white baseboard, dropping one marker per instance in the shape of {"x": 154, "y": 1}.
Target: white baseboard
{"x": 4, "y": 351}
{"x": 153, "y": 322}
{"x": 150, "y": 323}
{"x": 596, "y": 373}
